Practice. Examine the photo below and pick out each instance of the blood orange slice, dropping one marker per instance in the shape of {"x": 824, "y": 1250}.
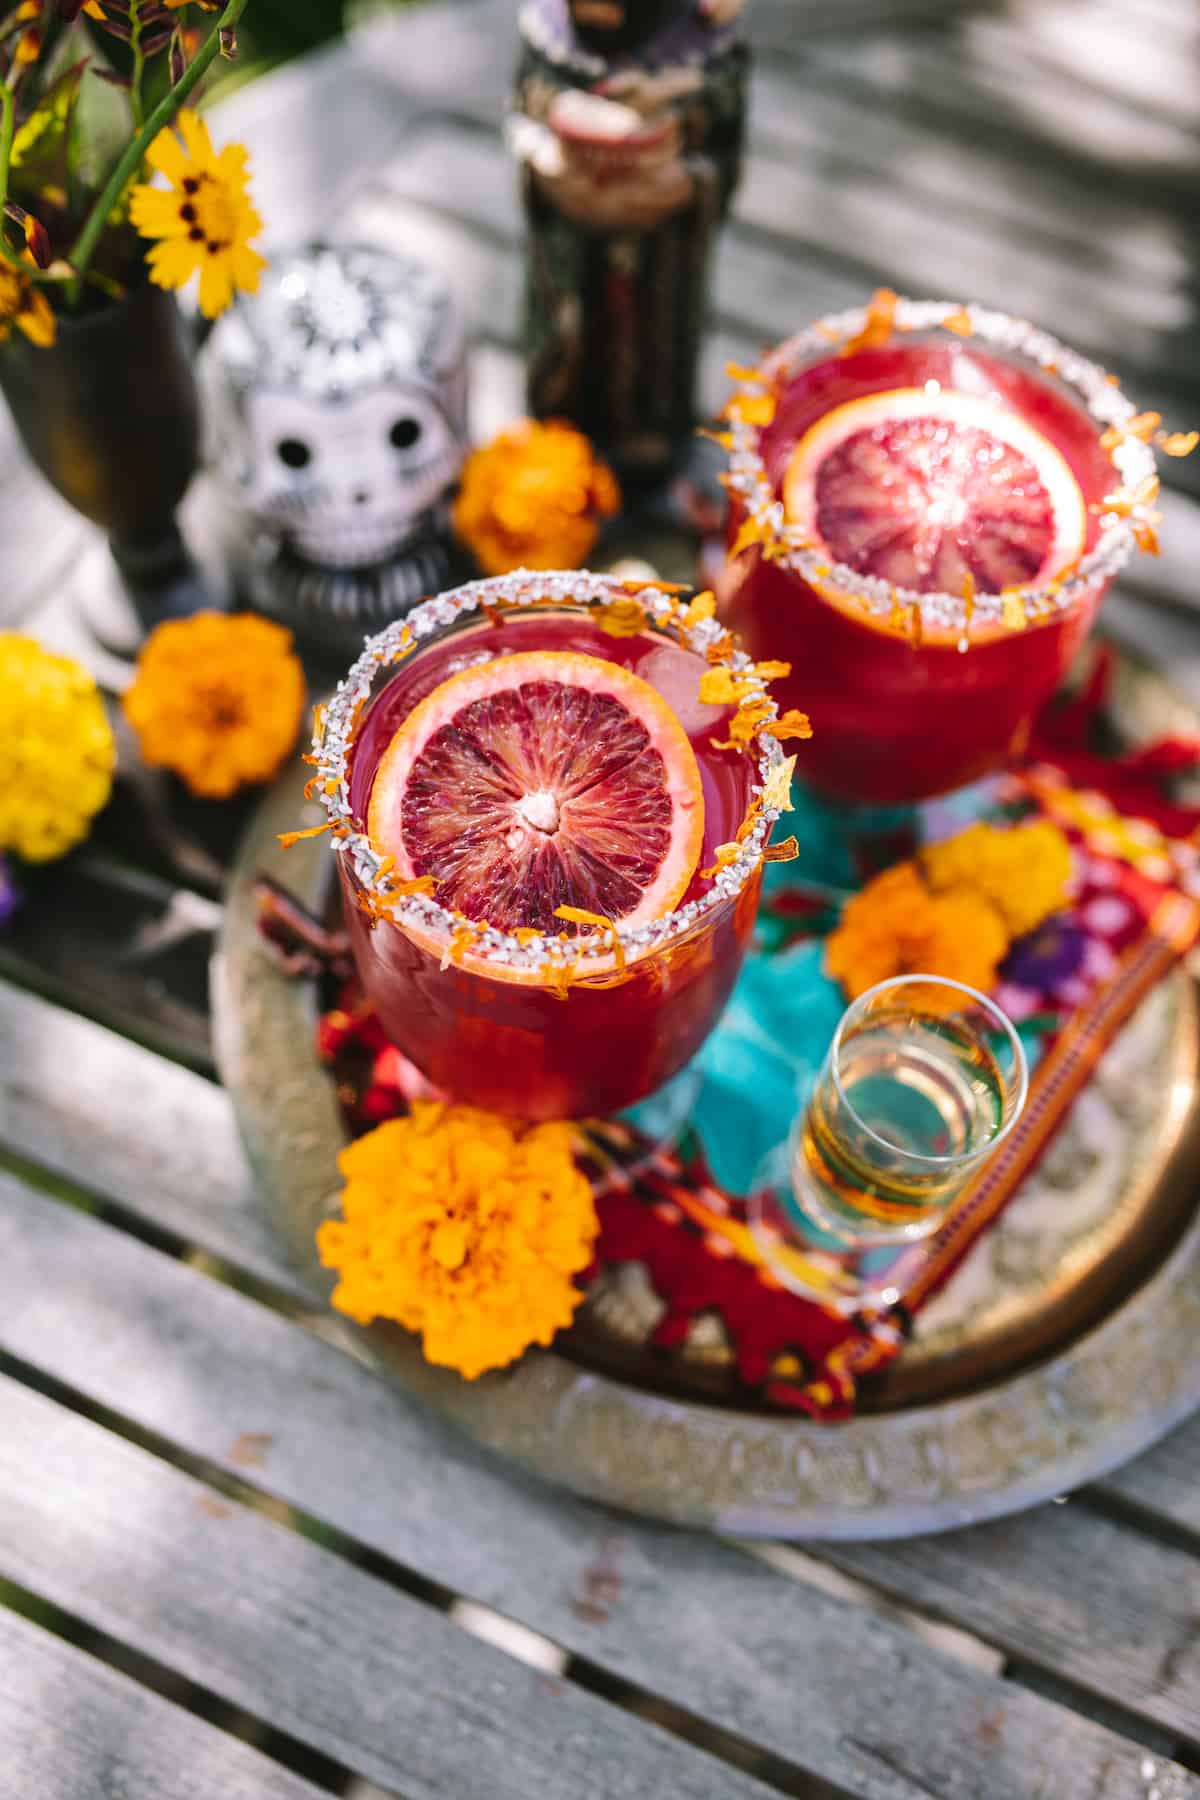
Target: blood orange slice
{"x": 540, "y": 780}
{"x": 936, "y": 490}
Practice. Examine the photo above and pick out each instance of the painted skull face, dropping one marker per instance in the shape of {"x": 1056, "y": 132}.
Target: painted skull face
{"x": 346, "y": 480}
{"x": 336, "y": 403}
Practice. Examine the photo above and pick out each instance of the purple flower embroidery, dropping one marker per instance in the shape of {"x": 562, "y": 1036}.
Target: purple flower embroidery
{"x": 1045, "y": 958}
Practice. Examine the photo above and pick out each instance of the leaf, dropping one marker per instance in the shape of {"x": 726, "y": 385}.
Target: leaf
{"x": 41, "y": 148}
{"x": 100, "y": 132}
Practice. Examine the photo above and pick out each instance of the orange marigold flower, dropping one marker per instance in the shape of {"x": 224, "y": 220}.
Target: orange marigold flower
{"x": 896, "y": 926}
{"x": 218, "y": 699}
{"x": 60, "y": 750}
{"x": 1022, "y": 870}
{"x": 534, "y": 498}
{"x": 463, "y": 1226}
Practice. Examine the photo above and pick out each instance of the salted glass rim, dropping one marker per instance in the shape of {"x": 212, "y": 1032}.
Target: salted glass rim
{"x": 1103, "y": 401}
{"x": 1020, "y": 1088}
{"x": 336, "y": 731}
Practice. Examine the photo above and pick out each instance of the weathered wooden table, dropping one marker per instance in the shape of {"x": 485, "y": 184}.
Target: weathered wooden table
{"x": 232, "y": 1561}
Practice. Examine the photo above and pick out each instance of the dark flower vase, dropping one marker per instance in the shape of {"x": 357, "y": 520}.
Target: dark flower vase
{"x": 110, "y": 415}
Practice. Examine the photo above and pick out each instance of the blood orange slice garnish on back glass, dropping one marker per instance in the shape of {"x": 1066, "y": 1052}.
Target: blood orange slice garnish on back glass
{"x": 936, "y": 490}
{"x": 540, "y": 780}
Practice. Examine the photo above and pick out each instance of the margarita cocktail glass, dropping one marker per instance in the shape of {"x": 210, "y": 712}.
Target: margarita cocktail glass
{"x": 928, "y": 503}
{"x": 554, "y": 1018}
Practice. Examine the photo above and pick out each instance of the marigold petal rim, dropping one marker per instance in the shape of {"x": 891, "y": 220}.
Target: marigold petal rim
{"x": 1133, "y": 464}
{"x": 334, "y": 736}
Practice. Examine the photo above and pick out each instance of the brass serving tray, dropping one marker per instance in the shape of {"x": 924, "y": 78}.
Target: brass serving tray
{"x": 1062, "y": 1346}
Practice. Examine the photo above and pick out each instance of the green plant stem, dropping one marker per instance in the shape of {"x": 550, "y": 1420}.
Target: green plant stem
{"x": 8, "y": 119}
{"x": 135, "y": 151}
{"x": 139, "y": 68}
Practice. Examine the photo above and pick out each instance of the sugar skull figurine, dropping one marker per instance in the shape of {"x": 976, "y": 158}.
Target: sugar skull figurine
{"x": 336, "y": 402}
{"x": 628, "y": 127}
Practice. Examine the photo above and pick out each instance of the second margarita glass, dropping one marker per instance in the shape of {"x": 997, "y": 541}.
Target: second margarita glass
{"x": 514, "y": 743}
{"x": 928, "y": 503}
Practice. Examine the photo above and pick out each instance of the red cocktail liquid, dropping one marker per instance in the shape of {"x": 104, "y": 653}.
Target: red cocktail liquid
{"x": 903, "y": 706}
{"x": 503, "y": 1038}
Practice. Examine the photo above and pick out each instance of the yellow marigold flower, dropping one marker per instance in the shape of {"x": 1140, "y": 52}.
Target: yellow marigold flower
{"x": 1023, "y": 870}
{"x": 24, "y": 305}
{"x": 895, "y": 926}
{"x": 59, "y": 747}
{"x": 217, "y": 698}
{"x": 204, "y": 220}
{"x": 534, "y": 498}
{"x": 463, "y": 1226}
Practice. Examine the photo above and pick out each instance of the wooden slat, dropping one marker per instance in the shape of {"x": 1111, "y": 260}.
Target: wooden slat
{"x": 73, "y": 1729}
{"x": 78, "y": 939}
{"x": 1088, "y": 257}
{"x": 800, "y": 113}
{"x": 1165, "y": 1483}
{"x": 486, "y": 276}
{"x": 880, "y": 194}
{"x": 290, "y": 1633}
{"x": 1122, "y": 289}
{"x": 90, "y": 1106}
{"x": 1003, "y": 78}
{"x": 162, "y": 1143}
{"x": 451, "y": 195}
{"x": 1070, "y": 1592}
{"x": 827, "y": 1686}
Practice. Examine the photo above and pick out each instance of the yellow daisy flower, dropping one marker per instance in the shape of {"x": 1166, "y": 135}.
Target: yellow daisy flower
{"x": 204, "y": 220}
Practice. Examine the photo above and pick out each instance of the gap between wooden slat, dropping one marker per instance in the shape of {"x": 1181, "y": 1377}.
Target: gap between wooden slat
{"x": 479, "y": 99}
{"x": 519, "y": 1640}
{"x": 951, "y": 1640}
{"x": 72, "y": 1726}
{"x": 58, "y": 991}
{"x": 573, "y": 1540}
{"x": 1122, "y": 1509}
{"x": 70, "y": 1191}
{"x": 478, "y": 1621}
{"x": 97, "y": 1137}
{"x": 761, "y": 258}
{"x": 187, "y": 1695}
{"x": 1157, "y": 1740}
{"x": 480, "y": 259}
{"x": 66, "y": 1187}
